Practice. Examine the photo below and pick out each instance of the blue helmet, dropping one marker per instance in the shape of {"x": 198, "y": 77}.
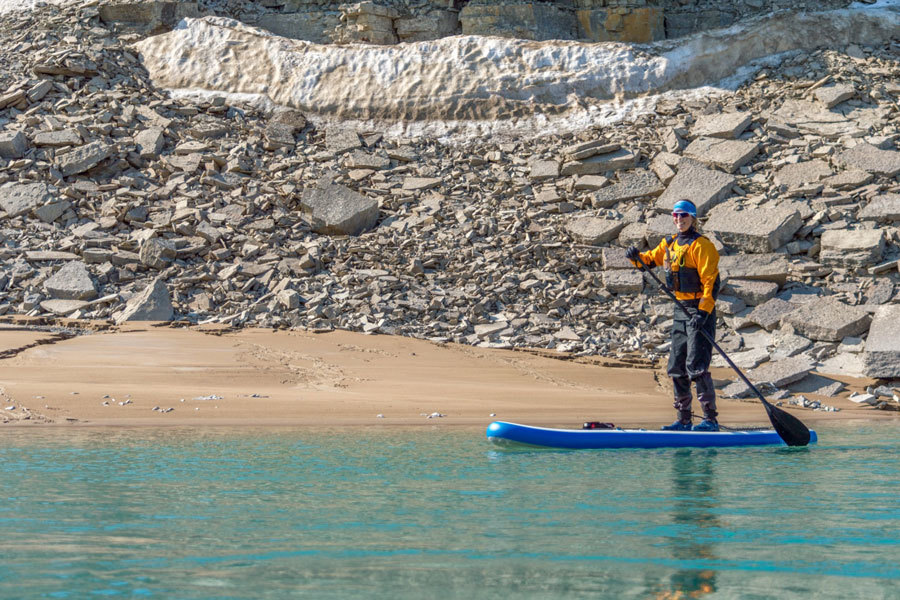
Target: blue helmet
{"x": 685, "y": 206}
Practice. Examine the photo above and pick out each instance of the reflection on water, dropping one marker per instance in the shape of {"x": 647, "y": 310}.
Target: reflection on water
{"x": 693, "y": 502}
{"x": 396, "y": 514}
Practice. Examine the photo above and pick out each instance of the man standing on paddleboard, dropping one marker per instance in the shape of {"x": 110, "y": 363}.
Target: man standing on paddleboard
{"x": 692, "y": 273}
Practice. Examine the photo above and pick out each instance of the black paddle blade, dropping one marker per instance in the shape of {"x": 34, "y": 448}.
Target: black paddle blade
{"x": 789, "y": 427}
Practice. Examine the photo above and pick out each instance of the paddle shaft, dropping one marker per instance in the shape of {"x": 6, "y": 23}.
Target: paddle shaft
{"x": 678, "y": 303}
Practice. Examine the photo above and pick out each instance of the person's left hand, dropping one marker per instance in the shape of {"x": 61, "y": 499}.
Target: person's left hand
{"x": 699, "y": 319}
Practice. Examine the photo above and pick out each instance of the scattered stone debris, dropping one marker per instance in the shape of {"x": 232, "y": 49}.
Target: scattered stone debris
{"x": 122, "y": 203}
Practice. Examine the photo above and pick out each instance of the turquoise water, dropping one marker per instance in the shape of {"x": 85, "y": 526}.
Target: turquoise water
{"x": 437, "y": 513}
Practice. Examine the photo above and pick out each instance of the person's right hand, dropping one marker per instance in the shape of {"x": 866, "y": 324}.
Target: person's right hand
{"x": 632, "y": 254}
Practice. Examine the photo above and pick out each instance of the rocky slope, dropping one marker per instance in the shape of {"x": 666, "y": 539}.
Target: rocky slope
{"x": 120, "y": 202}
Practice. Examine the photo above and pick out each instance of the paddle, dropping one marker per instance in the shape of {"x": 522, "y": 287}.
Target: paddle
{"x": 789, "y": 427}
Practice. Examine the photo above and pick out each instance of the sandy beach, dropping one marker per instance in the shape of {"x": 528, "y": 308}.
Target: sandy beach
{"x": 75, "y": 374}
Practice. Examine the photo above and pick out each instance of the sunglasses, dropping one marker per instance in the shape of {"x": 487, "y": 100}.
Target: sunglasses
{"x": 680, "y": 215}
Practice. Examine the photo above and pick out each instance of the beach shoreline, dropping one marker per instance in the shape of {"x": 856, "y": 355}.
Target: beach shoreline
{"x": 82, "y": 374}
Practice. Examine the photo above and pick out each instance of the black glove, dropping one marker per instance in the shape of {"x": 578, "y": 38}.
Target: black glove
{"x": 699, "y": 319}
{"x": 632, "y": 254}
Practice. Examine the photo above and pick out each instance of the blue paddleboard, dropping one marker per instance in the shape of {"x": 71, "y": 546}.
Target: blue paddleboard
{"x": 501, "y": 432}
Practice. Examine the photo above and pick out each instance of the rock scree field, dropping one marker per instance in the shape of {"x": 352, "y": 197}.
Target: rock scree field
{"x": 123, "y": 201}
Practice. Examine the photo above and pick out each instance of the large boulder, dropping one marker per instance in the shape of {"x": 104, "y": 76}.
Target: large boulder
{"x": 759, "y": 230}
{"x": 727, "y": 155}
{"x": 870, "y": 159}
{"x": 756, "y": 267}
{"x": 703, "y": 186}
{"x": 881, "y": 357}
{"x": 631, "y": 184}
{"x": 851, "y": 248}
{"x": 71, "y": 282}
{"x": 21, "y": 198}
{"x": 152, "y": 304}
{"x": 334, "y": 209}
{"x": 594, "y": 231}
{"x": 881, "y": 208}
{"x": 828, "y": 319}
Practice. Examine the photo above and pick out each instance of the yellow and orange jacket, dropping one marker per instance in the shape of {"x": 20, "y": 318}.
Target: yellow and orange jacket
{"x": 694, "y": 266}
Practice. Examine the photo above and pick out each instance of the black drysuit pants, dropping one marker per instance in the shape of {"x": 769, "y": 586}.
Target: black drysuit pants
{"x": 689, "y": 360}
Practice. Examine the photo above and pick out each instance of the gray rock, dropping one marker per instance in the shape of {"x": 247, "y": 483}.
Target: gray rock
{"x": 880, "y": 292}
{"x": 631, "y": 184}
{"x": 881, "y": 357}
{"x": 851, "y": 248}
{"x": 768, "y": 315}
{"x": 13, "y": 144}
{"x": 541, "y": 170}
{"x": 279, "y": 135}
{"x": 756, "y": 267}
{"x": 813, "y": 118}
{"x": 71, "y": 282}
{"x": 796, "y": 174}
{"x": 852, "y": 178}
{"x": 623, "y": 282}
{"x": 594, "y": 231}
{"x": 83, "y": 158}
{"x": 150, "y": 142}
{"x": 40, "y": 255}
{"x": 590, "y": 182}
{"x": 340, "y": 139}
{"x": 333, "y": 209}
{"x": 818, "y": 385}
{"x": 152, "y": 304}
{"x": 601, "y": 163}
{"x": 208, "y": 232}
{"x": 781, "y": 372}
{"x": 63, "y": 308}
{"x": 727, "y": 155}
{"x": 828, "y": 319}
{"x": 746, "y": 359}
{"x": 832, "y": 95}
{"x": 62, "y": 137}
{"x": 96, "y": 255}
{"x": 658, "y": 227}
{"x": 787, "y": 343}
{"x": 737, "y": 389}
{"x": 664, "y": 165}
{"x": 704, "y": 187}
{"x": 414, "y": 184}
{"x": 51, "y": 211}
{"x": 722, "y": 125}
{"x": 729, "y": 305}
{"x": 366, "y": 160}
{"x": 157, "y": 253}
{"x": 633, "y": 234}
{"x": 759, "y": 230}
{"x": 870, "y": 159}
{"x": 885, "y": 208}
{"x": 21, "y": 198}
{"x": 585, "y": 150}
{"x": 614, "y": 258}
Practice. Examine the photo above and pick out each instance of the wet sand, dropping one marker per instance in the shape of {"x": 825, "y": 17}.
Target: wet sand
{"x": 209, "y": 376}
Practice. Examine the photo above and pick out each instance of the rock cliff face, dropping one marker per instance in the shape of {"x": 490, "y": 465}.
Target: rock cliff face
{"x": 393, "y": 21}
